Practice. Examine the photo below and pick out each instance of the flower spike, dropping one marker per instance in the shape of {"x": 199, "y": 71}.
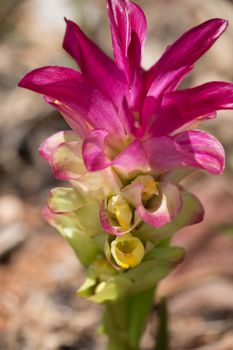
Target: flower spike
{"x": 133, "y": 140}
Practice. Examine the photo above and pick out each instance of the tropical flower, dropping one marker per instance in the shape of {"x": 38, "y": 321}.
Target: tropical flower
{"x": 131, "y": 127}
{"x": 133, "y": 140}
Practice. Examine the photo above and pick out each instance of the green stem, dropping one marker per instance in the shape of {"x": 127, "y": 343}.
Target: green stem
{"x": 120, "y": 344}
{"x": 124, "y": 320}
{"x": 116, "y": 325}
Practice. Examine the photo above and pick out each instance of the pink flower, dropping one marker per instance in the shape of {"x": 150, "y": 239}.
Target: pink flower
{"x": 132, "y": 120}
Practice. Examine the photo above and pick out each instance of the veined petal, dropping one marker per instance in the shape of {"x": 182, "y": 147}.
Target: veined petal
{"x": 193, "y": 149}
{"x": 72, "y": 89}
{"x": 94, "y": 150}
{"x": 132, "y": 161}
{"x": 67, "y": 162}
{"x": 194, "y": 124}
{"x": 185, "y": 106}
{"x": 94, "y": 63}
{"x": 187, "y": 49}
{"x": 207, "y": 151}
{"x": 49, "y": 146}
{"x": 138, "y": 35}
{"x": 65, "y": 199}
{"x": 72, "y": 117}
{"x": 98, "y": 150}
{"x": 128, "y": 29}
{"x": 119, "y": 16}
{"x": 166, "y": 209}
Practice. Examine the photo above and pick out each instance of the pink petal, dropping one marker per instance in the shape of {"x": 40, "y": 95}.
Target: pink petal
{"x": 72, "y": 117}
{"x": 138, "y": 36}
{"x": 194, "y": 124}
{"x": 207, "y": 151}
{"x": 128, "y": 29}
{"x": 163, "y": 83}
{"x": 192, "y": 149}
{"x": 98, "y": 149}
{"x": 133, "y": 193}
{"x": 94, "y": 63}
{"x": 182, "y": 107}
{"x": 126, "y": 117}
{"x": 50, "y": 145}
{"x": 192, "y": 212}
{"x": 121, "y": 31}
{"x": 136, "y": 91}
{"x": 94, "y": 147}
{"x": 70, "y": 88}
{"x": 169, "y": 207}
{"x": 132, "y": 161}
{"x": 63, "y": 152}
{"x": 187, "y": 49}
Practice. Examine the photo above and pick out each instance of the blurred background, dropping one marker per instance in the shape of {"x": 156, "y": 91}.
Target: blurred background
{"x": 38, "y": 271}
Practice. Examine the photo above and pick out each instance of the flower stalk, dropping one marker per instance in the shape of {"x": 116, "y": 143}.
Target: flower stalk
{"x": 124, "y": 320}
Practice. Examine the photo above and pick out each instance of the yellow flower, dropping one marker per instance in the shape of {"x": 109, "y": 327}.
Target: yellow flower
{"x": 128, "y": 251}
{"x": 120, "y": 208}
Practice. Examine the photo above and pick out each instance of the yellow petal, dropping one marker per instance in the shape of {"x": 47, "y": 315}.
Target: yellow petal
{"x": 150, "y": 186}
{"x": 120, "y": 208}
